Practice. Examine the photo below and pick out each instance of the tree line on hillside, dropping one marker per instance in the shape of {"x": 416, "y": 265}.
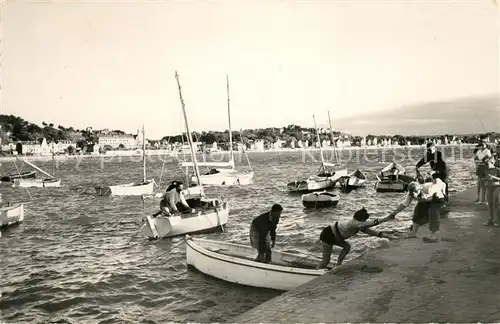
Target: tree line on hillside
{"x": 16, "y": 129}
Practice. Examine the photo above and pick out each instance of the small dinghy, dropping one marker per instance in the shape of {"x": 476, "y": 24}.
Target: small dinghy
{"x": 353, "y": 181}
{"x": 392, "y": 178}
{"x": 37, "y": 183}
{"x": 320, "y": 200}
{"x": 23, "y": 175}
{"x": 129, "y": 189}
{"x": 310, "y": 185}
{"x": 11, "y": 214}
{"x": 234, "y": 263}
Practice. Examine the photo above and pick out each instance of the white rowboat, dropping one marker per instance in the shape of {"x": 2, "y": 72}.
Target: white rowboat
{"x": 234, "y": 263}
{"x": 37, "y": 183}
{"x": 320, "y": 200}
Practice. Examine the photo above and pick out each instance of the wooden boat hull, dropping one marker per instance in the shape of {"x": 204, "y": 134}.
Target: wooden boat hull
{"x": 310, "y": 185}
{"x": 320, "y": 200}
{"x": 209, "y": 219}
{"x": 234, "y": 263}
{"x": 129, "y": 189}
{"x": 11, "y": 215}
{"x": 37, "y": 183}
{"x": 24, "y": 175}
{"x": 225, "y": 179}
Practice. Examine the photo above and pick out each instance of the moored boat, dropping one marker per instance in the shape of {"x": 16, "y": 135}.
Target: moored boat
{"x": 11, "y": 214}
{"x": 128, "y": 189}
{"x": 212, "y": 214}
{"x": 320, "y": 200}
{"x": 392, "y": 178}
{"x": 310, "y": 184}
{"x": 22, "y": 175}
{"x": 234, "y": 263}
{"x": 143, "y": 188}
{"x": 37, "y": 183}
{"x": 354, "y": 180}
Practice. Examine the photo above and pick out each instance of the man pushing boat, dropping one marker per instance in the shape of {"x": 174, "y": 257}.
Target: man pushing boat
{"x": 263, "y": 233}
{"x": 340, "y": 231}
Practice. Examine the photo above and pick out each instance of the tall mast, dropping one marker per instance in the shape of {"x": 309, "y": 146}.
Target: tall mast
{"x": 53, "y": 161}
{"x": 189, "y": 138}
{"x": 231, "y": 156}
{"x": 333, "y": 139}
{"x": 319, "y": 142}
{"x": 144, "y": 153}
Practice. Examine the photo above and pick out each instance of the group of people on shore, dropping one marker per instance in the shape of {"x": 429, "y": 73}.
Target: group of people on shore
{"x": 487, "y": 163}
{"x": 431, "y": 194}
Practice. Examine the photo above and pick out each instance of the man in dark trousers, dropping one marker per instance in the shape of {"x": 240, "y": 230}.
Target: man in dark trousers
{"x": 437, "y": 164}
{"x": 263, "y": 233}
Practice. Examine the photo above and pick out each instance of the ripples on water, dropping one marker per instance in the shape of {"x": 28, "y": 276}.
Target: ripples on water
{"x": 69, "y": 262}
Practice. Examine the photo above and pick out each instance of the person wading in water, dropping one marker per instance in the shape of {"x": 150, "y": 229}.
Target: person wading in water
{"x": 340, "y": 231}
{"x": 263, "y": 233}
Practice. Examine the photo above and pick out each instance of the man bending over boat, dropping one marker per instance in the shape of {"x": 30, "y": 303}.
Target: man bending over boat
{"x": 340, "y": 231}
{"x": 263, "y": 233}
{"x": 174, "y": 201}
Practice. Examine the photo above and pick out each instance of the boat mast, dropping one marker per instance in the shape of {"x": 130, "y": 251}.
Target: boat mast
{"x": 319, "y": 142}
{"x": 231, "y": 156}
{"x": 333, "y": 139}
{"x": 189, "y": 138}
{"x": 53, "y": 161}
{"x": 143, "y": 154}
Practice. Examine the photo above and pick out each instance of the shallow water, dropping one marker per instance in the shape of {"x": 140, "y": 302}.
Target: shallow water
{"x": 77, "y": 258}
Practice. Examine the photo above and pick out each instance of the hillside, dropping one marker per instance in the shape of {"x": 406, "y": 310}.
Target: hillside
{"x": 461, "y": 116}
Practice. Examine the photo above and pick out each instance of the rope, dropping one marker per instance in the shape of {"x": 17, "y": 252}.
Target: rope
{"x": 162, "y": 254}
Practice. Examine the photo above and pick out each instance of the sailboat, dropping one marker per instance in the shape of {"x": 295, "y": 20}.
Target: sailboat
{"x": 50, "y": 182}
{"x": 223, "y": 173}
{"x": 325, "y": 179}
{"x": 146, "y": 187}
{"x": 211, "y": 214}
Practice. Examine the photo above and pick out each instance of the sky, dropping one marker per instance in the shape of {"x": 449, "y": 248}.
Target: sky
{"x": 111, "y": 64}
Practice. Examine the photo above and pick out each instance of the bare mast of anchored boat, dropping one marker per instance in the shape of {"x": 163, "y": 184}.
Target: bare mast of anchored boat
{"x": 189, "y": 138}
{"x": 53, "y": 163}
{"x": 333, "y": 139}
{"x": 143, "y": 154}
{"x": 231, "y": 156}
{"x": 319, "y": 142}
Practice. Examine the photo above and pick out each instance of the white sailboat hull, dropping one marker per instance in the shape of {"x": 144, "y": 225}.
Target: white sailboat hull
{"x": 225, "y": 179}
{"x": 234, "y": 263}
{"x": 11, "y": 215}
{"x": 129, "y": 189}
{"x": 206, "y": 220}
{"x": 37, "y": 183}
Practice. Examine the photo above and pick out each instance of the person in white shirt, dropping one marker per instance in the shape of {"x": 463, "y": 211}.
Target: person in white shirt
{"x": 430, "y": 198}
{"x": 481, "y": 154}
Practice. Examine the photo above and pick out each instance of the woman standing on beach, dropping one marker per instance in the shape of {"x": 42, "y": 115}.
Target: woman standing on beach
{"x": 481, "y": 154}
{"x": 492, "y": 185}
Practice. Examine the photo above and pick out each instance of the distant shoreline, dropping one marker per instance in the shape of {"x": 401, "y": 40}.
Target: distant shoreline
{"x": 133, "y": 154}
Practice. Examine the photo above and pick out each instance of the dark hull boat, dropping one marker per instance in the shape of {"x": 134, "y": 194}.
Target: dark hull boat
{"x": 24, "y": 175}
